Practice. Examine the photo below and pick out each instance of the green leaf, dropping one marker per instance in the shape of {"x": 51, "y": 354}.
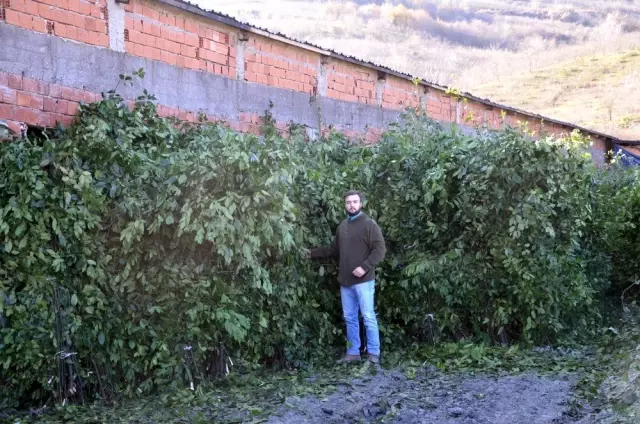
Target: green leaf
{"x": 74, "y": 299}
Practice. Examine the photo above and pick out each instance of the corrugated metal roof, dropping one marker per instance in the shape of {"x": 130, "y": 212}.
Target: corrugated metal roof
{"x": 236, "y": 23}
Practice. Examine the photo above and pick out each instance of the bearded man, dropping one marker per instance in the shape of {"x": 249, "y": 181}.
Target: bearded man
{"x": 359, "y": 246}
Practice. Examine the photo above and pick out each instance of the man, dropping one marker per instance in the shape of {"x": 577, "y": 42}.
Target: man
{"x": 359, "y": 245}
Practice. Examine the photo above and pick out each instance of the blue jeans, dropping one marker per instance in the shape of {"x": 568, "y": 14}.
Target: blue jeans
{"x": 359, "y": 298}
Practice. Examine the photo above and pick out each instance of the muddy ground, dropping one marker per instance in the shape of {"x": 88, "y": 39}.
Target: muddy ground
{"x": 431, "y": 397}
{"x": 366, "y": 393}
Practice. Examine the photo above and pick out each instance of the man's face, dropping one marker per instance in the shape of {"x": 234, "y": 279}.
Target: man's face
{"x": 352, "y": 204}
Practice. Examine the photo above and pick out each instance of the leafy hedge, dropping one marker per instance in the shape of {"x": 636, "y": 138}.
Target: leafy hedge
{"x": 141, "y": 253}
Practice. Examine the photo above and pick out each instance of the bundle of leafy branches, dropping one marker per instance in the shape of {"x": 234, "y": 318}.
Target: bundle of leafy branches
{"x": 140, "y": 253}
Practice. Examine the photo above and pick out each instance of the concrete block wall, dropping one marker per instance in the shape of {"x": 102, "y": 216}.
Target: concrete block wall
{"x": 58, "y": 53}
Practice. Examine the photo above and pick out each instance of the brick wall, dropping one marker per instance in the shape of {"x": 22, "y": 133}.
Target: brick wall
{"x": 153, "y": 30}
{"x": 351, "y": 83}
{"x": 78, "y": 20}
{"x": 398, "y": 93}
{"x": 38, "y": 103}
{"x": 279, "y": 65}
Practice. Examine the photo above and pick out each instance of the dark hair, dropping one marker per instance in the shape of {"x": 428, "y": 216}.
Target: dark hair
{"x": 353, "y": 193}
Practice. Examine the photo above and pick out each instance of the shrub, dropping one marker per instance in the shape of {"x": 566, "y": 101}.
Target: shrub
{"x": 616, "y": 193}
{"x": 142, "y": 254}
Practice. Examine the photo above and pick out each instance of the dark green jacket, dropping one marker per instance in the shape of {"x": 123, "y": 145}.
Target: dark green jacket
{"x": 357, "y": 243}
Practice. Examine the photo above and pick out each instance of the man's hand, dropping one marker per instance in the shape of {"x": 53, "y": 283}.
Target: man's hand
{"x": 358, "y": 272}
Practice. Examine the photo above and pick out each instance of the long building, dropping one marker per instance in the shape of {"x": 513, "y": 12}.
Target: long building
{"x": 55, "y": 54}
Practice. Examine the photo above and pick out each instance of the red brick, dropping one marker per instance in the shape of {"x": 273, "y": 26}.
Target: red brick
{"x": 191, "y": 26}
{"x": 187, "y": 51}
{"x": 137, "y": 7}
{"x": 262, "y": 78}
{"x": 6, "y": 111}
{"x": 15, "y": 82}
{"x": 277, "y": 72}
{"x": 273, "y": 81}
{"x": 210, "y": 34}
{"x": 99, "y": 38}
{"x": 61, "y": 106}
{"x": 170, "y": 58}
{"x": 72, "y": 108}
{"x": 27, "y": 115}
{"x": 333, "y": 94}
{"x": 84, "y": 8}
{"x": 138, "y": 50}
{"x": 151, "y": 13}
{"x": 31, "y": 7}
{"x": 147, "y": 40}
{"x": 67, "y": 93}
{"x": 8, "y": 95}
{"x": 45, "y": 11}
{"x": 39, "y": 25}
{"x": 24, "y": 99}
{"x": 192, "y": 40}
{"x": 18, "y": 5}
{"x": 74, "y": 6}
{"x": 72, "y": 32}
{"x": 84, "y": 36}
{"x": 77, "y": 94}
{"x": 135, "y": 36}
{"x": 64, "y": 120}
{"x": 49, "y": 104}
{"x": 89, "y": 97}
{"x": 37, "y": 101}
{"x": 173, "y": 47}
{"x": 168, "y": 19}
{"x": 89, "y": 23}
{"x": 154, "y": 30}
{"x": 191, "y": 63}
{"x": 96, "y": 12}
{"x": 148, "y": 52}
{"x": 68, "y": 18}
{"x": 180, "y": 22}
{"x": 167, "y": 33}
{"x": 129, "y": 47}
{"x": 128, "y": 22}
{"x": 12, "y": 17}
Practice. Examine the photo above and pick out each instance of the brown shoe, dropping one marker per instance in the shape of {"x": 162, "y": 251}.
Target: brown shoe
{"x": 349, "y": 358}
{"x": 374, "y": 359}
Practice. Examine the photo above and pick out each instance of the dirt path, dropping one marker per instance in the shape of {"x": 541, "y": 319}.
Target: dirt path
{"x": 432, "y": 397}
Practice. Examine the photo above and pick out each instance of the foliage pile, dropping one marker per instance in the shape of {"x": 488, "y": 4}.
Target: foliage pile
{"x": 140, "y": 253}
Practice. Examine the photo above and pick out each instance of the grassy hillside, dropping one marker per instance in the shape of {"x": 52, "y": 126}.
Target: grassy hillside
{"x": 487, "y": 47}
{"x": 599, "y": 91}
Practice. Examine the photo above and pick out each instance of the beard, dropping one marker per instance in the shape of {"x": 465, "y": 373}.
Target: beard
{"x": 354, "y": 213}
